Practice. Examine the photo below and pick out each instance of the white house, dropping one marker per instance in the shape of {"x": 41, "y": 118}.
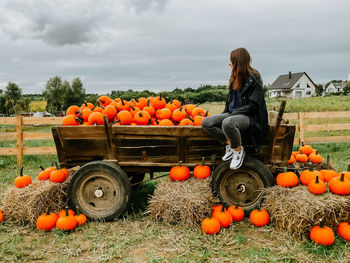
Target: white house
{"x": 335, "y": 87}
{"x": 292, "y": 85}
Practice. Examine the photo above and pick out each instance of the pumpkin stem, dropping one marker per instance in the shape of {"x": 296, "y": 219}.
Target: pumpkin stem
{"x": 123, "y": 103}
{"x": 149, "y": 121}
{"x": 285, "y": 169}
{"x": 133, "y": 108}
{"x": 198, "y": 104}
{"x": 147, "y": 102}
{"x": 206, "y": 113}
{"x": 321, "y": 223}
{"x": 189, "y": 117}
{"x": 42, "y": 168}
{"x": 85, "y": 103}
{"x": 341, "y": 177}
{"x": 56, "y": 165}
{"x": 135, "y": 99}
{"x": 140, "y": 114}
{"x": 21, "y": 172}
{"x": 66, "y": 211}
{"x": 317, "y": 181}
{"x": 327, "y": 162}
{"x": 311, "y": 167}
{"x": 93, "y": 108}
{"x": 203, "y": 161}
{"x": 302, "y": 143}
{"x": 180, "y": 163}
{"x": 78, "y": 212}
{"x": 160, "y": 96}
{"x": 102, "y": 101}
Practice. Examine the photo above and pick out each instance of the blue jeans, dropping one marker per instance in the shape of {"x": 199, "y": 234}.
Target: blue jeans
{"x": 226, "y": 127}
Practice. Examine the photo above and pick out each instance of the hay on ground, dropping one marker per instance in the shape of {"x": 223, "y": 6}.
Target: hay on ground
{"x": 187, "y": 202}
{"x": 25, "y": 205}
{"x": 305, "y": 166}
{"x": 296, "y": 210}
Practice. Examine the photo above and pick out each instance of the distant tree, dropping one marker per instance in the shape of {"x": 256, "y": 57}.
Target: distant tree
{"x": 319, "y": 90}
{"x": 12, "y": 100}
{"x": 1, "y": 91}
{"x": 60, "y": 94}
{"x": 346, "y": 89}
{"x": 266, "y": 91}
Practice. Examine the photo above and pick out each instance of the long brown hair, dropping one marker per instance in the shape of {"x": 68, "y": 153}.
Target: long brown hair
{"x": 240, "y": 59}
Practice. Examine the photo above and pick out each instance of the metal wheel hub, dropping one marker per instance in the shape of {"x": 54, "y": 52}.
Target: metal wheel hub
{"x": 98, "y": 193}
{"x": 241, "y": 187}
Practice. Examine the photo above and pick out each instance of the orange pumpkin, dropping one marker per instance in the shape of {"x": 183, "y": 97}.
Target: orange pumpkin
{"x": 140, "y": 102}
{"x": 291, "y": 160}
{"x": 57, "y": 176}
{"x": 176, "y": 103}
{"x": 70, "y": 120}
{"x": 259, "y": 217}
{"x": 125, "y": 117}
{"x": 179, "y": 173}
{"x": 215, "y": 209}
{"x": 163, "y": 113}
{"x": 2, "y": 216}
{"x": 150, "y": 109}
{"x": 64, "y": 211}
{"x": 322, "y": 235}
{"x": 110, "y": 111}
{"x": 66, "y": 222}
{"x": 22, "y": 180}
{"x": 202, "y": 171}
{"x": 46, "y": 221}
{"x": 171, "y": 106}
{"x": 166, "y": 122}
{"x": 123, "y": 105}
{"x": 87, "y": 105}
{"x": 224, "y": 218}
{"x": 142, "y": 118}
{"x": 179, "y": 114}
{"x": 339, "y": 185}
{"x": 315, "y": 157}
{"x": 210, "y": 226}
{"x": 158, "y": 102}
{"x": 95, "y": 118}
{"x": 316, "y": 186}
{"x": 81, "y": 218}
{"x": 134, "y": 110}
{"x": 45, "y": 173}
{"x": 295, "y": 153}
{"x": 237, "y": 213}
{"x": 85, "y": 113}
{"x": 307, "y": 175}
{"x": 186, "y": 122}
{"x": 302, "y": 158}
{"x": 73, "y": 110}
{"x": 197, "y": 111}
{"x": 343, "y": 230}
{"x": 197, "y": 120}
{"x": 305, "y": 149}
{"x": 104, "y": 100}
{"x": 287, "y": 179}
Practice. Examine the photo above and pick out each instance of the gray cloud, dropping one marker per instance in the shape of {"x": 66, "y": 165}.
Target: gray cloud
{"x": 163, "y": 44}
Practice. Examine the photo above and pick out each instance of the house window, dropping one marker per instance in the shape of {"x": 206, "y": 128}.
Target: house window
{"x": 308, "y": 93}
{"x": 298, "y": 86}
{"x": 307, "y": 85}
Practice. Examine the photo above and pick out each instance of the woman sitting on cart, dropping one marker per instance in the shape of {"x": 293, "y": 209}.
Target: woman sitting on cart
{"x": 245, "y": 110}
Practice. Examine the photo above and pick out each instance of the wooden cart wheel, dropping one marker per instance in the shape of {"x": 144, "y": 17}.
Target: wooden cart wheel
{"x": 101, "y": 190}
{"x": 242, "y": 186}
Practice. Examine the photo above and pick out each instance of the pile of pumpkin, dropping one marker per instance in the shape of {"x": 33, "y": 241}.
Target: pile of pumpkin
{"x": 220, "y": 217}
{"x": 65, "y": 220}
{"x": 54, "y": 174}
{"x": 317, "y": 181}
{"x": 141, "y": 111}
{"x": 305, "y": 154}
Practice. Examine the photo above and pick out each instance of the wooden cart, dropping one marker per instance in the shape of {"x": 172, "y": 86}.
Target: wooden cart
{"x": 112, "y": 158}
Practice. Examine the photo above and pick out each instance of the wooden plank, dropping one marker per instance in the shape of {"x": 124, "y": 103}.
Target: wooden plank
{"x": 37, "y": 136}
{"x": 39, "y": 150}
{"x": 42, "y": 120}
{"x": 181, "y": 149}
{"x": 290, "y": 116}
{"x": 19, "y": 123}
{"x": 327, "y": 115}
{"x": 59, "y": 145}
{"x": 7, "y": 120}
{"x": 327, "y": 127}
{"x": 327, "y": 139}
{"x": 6, "y": 136}
{"x": 8, "y": 151}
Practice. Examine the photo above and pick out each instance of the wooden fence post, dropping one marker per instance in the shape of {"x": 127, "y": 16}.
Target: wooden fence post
{"x": 19, "y": 131}
{"x": 301, "y": 127}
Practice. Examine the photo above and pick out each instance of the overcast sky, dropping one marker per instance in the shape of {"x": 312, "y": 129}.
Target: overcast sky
{"x": 164, "y": 44}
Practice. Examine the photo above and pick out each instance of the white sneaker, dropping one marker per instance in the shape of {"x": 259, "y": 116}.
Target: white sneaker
{"x": 228, "y": 154}
{"x": 237, "y": 158}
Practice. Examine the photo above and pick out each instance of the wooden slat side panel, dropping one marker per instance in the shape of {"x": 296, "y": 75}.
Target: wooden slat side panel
{"x": 85, "y": 147}
{"x": 6, "y": 136}
{"x": 37, "y": 136}
{"x": 39, "y": 150}
{"x": 8, "y": 151}
{"x": 7, "y": 120}
{"x": 327, "y": 127}
{"x": 42, "y": 121}
{"x": 79, "y": 132}
{"x": 290, "y": 116}
{"x": 327, "y": 115}
{"x": 327, "y": 139}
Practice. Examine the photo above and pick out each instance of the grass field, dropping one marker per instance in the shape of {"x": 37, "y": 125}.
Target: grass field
{"x": 136, "y": 238}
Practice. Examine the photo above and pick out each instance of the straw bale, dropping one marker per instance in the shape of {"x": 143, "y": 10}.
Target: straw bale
{"x": 296, "y": 210}
{"x": 25, "y": 205}
{"x": 187, "y": 202}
